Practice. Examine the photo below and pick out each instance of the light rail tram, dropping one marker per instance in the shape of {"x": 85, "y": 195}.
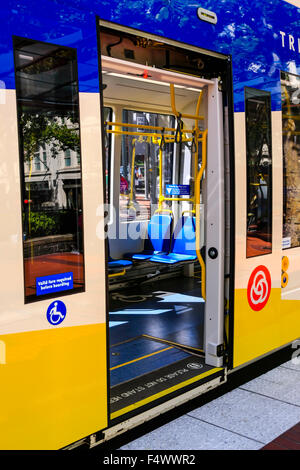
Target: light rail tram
{"x": 150, "y": 195}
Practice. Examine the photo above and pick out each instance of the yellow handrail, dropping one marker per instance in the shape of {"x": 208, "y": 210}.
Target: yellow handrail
{"x": 153, "y": 134}
{"x": 290, "y": 116}
{"x": 143, "y": 126}
{"x": 140, "y": 126}
{"x": 132, "y": 172}
{"x": 169, "y": 139}
{"x": 192, "y": 211}
{"x": 197, "y": 201}
{"x": 118, "y": 274}
{"x": 160, "y": 198}
{"x": 198, "y": 109}
{"x": 175, "y": 112}
{"x": 180, "y": 199}
{"x": 287, "y": 99}
{"x": 163, "y": 210}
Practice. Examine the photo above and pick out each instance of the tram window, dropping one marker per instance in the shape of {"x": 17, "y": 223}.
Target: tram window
{"x": 139, "y": 167}
{"x": 259, "y": 172}
{"x": 107, "y": 116}
{"x": 290, "y": 93}
{"x": 48, "y": 118}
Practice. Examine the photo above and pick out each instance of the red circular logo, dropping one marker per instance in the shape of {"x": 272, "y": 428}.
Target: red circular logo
{"x": 259, "y": 288}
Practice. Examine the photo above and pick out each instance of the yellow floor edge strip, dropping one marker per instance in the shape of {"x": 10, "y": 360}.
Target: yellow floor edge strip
{"x": 140, "y": 358}
{"x": 140, "y": 403}
{"x": 172, "y": 342}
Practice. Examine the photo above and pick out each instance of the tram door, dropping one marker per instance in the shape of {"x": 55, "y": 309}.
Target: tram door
{"x": 290, "y": 267}
{"x": 52, "y": 320}
{"x": 163, "y": 134}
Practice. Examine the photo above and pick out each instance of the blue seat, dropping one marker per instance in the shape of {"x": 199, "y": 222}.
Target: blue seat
{"x": 117, "y": 265}
{"x": 183, "y": 247}
{"x": 159, "y": 237}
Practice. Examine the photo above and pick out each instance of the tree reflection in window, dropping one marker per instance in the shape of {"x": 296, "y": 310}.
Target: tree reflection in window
{"x": 48, "y": 117}
{"x": 259, "y": 172}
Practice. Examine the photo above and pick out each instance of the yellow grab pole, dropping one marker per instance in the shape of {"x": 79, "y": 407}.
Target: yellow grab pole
{"x": 140, "y": 126}
{"x": 132, "y": 172}
{"x": 172, "y": 95}
{"x": 175, "y": 112}
{"x": 192, "y": 212}
{"x": 168, "y": 137}
{"x": 181, "y": 199}
{"x": 197, "y": 131}
{"x": 118, "y": 274}
{"x": 163, "y": 210}
{"x": 152, "y": 134}
{"x": 197, "y": 200}
{"x": 287, "y": 97}
{"x": 161, "y": 197}
{"x": 198, "y": 108}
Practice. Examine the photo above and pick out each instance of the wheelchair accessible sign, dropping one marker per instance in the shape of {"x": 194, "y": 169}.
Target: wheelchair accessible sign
{"x": 56, "y": 312}
{"x": 178, "y": 189}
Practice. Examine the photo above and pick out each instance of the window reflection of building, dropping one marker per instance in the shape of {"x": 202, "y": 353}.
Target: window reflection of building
{"x": 48, "y": 118}
{"x": 290, "y": 87}
{"x": 259, "y": 172}
{"x": 54, "y": 182}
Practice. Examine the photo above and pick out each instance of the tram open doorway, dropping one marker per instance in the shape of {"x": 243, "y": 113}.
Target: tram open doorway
{"x": 166, "y": 227}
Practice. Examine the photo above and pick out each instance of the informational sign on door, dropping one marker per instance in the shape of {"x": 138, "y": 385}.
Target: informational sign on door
{"x": 286, "y": 242}
{"x": 177, "y": 189}
{"x": 54, "y": 283}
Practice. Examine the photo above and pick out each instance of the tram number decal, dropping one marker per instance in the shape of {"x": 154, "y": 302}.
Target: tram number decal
{"x": 259, "y": 288}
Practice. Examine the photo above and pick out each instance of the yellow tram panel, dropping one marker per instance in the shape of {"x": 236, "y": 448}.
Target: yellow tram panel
{"x": 55, "y": 388}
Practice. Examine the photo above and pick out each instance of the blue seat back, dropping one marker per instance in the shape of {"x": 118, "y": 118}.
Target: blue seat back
{"x": 184, "y": 237}
{"x": 159, "y": 233}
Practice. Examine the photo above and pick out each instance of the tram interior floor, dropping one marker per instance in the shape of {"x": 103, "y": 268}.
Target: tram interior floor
{"x": 154, "y": 326}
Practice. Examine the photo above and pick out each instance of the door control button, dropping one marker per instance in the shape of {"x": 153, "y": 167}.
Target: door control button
{"x": 213, "y": 253}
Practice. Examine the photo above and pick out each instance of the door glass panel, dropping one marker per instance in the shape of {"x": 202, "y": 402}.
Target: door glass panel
{"x": 139, "y": 168}
{"x": 259, "y": 172}
{"x": 48, "y": 118}
{"x": 290, "y": 93}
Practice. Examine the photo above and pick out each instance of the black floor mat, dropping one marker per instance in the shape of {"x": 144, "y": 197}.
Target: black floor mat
{"x": 146, "y": 390}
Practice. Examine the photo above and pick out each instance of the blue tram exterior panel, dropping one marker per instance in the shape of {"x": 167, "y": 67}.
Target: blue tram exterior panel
{"x": 251, "y": 32}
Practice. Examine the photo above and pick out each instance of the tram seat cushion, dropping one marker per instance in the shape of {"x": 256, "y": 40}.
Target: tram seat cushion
{"x": 115, "y": 265}
{"x": 159, "y": 238}
{"x": 119, "y": 263}
{"x": 144, "y": 255}
{"x": 183, "y": 247}
{"x": 118, "y": 266}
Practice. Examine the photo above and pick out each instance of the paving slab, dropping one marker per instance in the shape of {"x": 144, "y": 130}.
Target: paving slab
{"x": 293, "y": 364}
{"x": 249, "y": 414}
{"x": 188, "y": 433}
{"x": 281, "y": 383}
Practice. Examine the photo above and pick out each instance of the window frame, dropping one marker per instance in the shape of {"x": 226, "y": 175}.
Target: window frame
{"x": 264, "y": 94}
{"x": 284, "y": 177}
{"x": 129, "y": 109}
{"x": 36, "y": 298}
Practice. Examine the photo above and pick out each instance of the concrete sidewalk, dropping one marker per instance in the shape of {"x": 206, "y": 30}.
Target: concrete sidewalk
{"x": 249, "y": 417}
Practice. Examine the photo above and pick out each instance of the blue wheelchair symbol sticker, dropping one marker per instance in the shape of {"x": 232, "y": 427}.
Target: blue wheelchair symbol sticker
{"x": 56, "y": 312}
